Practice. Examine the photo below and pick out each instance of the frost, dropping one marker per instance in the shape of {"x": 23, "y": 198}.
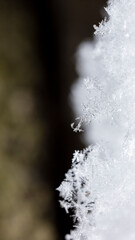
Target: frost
{"x": 99, "y": 189}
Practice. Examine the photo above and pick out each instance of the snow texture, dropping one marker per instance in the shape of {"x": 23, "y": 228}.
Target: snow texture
{"x": 99, "y": 189}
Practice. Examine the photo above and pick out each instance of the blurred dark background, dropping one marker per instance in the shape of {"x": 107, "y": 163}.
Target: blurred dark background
{"x": 38, "y": 41}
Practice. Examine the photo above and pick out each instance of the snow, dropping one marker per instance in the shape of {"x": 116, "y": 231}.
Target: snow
{"x": 100, "y": 186}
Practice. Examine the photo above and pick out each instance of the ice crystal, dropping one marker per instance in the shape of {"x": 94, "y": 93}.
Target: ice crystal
{"x": 100, "y": 186}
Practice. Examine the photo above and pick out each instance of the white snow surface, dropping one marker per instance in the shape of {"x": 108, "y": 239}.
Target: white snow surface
{"x": 100, "y": 186}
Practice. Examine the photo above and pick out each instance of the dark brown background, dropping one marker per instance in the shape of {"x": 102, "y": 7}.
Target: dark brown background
{"x": 38, "y": 41}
